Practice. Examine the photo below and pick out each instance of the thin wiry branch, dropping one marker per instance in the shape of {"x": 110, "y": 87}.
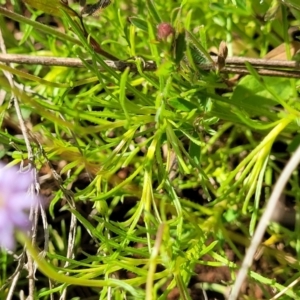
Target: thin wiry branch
{"x": 263, "y": 72}
{"x": 13, "y": 284}
{"x": 235, "y": 65}
{"x": 67, "y": 61}
{"x": 13, "y": 279}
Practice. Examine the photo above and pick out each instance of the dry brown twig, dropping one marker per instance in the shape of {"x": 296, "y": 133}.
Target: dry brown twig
{"x": 234, "y": 65}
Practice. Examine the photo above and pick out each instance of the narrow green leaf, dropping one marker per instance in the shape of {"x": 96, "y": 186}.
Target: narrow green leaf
{"x": 180, "y": 47}
{"x": 194, "y": 41}
{"x": 123, "y": 98}
{"x": 38, "y": 26}
{"x": 195, "y": 151}
{"x": 292, "y": 3}
{"x": 208, "y": 249}
{"x": 153, "y": 11}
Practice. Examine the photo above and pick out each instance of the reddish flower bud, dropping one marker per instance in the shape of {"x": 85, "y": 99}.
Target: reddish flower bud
{"x": 164, "y": 30}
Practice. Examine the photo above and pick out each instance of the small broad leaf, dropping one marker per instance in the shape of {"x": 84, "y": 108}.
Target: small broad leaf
{"x": 249, "y": 95}
{"x": 253, "y": 97}
{"x": 139, "y": 23}
{"x": 181, "y": 104}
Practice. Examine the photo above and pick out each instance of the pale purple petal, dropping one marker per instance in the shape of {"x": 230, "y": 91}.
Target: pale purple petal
{"x": 22, "y": 201}
{"x": 4, "y": 218}
{"x": 15, "y": 203}
{"x": 25, "y": 179}
{"x": 7, "y": 237}
{"x": 11, "y": 177}
{"x": 7, "y": 176}
{"x": 20, "y": 220}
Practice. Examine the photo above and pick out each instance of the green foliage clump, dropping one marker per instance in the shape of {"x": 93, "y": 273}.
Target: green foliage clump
{"x": 125, "y": 147}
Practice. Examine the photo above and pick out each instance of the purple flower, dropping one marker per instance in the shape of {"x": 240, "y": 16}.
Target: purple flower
{"x": 15, "y": 203}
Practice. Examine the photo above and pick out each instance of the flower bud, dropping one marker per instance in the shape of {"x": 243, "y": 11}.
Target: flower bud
{"x": 164, "y": 30}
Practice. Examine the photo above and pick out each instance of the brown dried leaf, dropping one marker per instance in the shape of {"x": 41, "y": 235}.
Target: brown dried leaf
{"x": 51, "y": 7}
{"x": 222, "y": 55}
